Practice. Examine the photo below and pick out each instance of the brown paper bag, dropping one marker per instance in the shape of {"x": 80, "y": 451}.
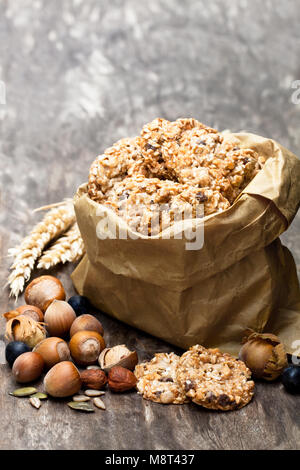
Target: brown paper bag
{"x": 240, "y": 278}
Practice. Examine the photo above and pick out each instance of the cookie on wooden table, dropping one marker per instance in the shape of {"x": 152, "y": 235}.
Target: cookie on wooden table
{"x": 214, "y": 380}
{"x": 157, "y": 380}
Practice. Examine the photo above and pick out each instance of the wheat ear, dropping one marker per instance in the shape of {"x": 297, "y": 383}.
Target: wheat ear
{"x": 68, "y": 248}
{"x": 55, "y": 222}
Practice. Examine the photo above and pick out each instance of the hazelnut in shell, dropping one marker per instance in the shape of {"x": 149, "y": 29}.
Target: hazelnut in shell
{"x": 53, "y": 350}
{"x": 121, "y": 379}
{"x": 85, "y": 347}
{"x": 30, "y": 310}
{"x": 86, "y": 322}
{"x": 43, "y": 290}
{"x": 118, "y": 355}
{"x": 28, "y": 367}
{"x": 93, "y": 379}
{"x": 59, "y": 317}
{"x": 264, "y": 355}
{"x": 62, "y": 380}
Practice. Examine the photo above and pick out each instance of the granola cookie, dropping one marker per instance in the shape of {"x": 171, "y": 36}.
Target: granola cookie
{"x": 122, "y": 159}
{"x": 214, "y": 380}
{"x": 149, "y": 205}
{"x": 156, "y": 380}
{"x": 171, "y": 164}
{"x": 190, "y": 152}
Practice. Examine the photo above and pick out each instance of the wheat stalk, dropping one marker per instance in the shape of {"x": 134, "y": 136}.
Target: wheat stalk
{"x": 55, "y": 222}
{"x": 68, "y": 248}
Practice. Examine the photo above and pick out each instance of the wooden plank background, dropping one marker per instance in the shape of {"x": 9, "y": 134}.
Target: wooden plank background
{"x": 80, "y": 75}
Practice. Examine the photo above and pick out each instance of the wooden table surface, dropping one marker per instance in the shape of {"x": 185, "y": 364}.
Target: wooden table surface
{"x": 81, "y": 74}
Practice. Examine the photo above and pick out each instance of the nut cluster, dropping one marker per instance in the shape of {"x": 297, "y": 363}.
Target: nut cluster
{"x": 49, "y": 333}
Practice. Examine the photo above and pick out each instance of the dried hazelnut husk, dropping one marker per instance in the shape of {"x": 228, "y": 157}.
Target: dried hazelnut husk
{"x": 25, "y": 329}
{"x": 94, "y": 379}
{"x": 121, "y": 379}
{"x": 264, "y": 354}
{"x": 118, "y": 355}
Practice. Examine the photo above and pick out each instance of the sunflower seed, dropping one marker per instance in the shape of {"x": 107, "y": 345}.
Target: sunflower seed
{"x": 94, "y": 393}
{"x": 35, "y": 402}
{"x": 99, "y": 403}
{"x": 81, "y": 398}
{"x": 81, "y": 406}
{"x": 40, "y": 396}
{"x": 23, "y": 392}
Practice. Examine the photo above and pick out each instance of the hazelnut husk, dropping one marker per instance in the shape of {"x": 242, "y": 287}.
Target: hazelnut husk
{"x": 118, "y": 355}
{"x": 24, "y": 328}
{"x": 121, "y": 379}
{"x": 95, "y": 379}
{"x": 263, "y": 354}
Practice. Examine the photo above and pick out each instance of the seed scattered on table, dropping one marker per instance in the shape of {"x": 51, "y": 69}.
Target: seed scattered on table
{"x": 99, "y": 403}
{"x": 23, "y": 392}
{"x": 94, "y": 393}
{"x": 40, "y": 396}
{"x": 35, "y": 402}
{"x": 81, "y": 398}
{"x": 81, "y": 406}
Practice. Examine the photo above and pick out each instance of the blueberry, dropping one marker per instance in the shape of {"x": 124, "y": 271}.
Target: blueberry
{"x": 14, "y": 350}
{"x": 291, "y": 379}
{"x": 80, "y": 304}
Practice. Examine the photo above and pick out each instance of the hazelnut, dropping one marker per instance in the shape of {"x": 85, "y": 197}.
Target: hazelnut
{"x": 85, "y": 347}
{"x": 121, "y": 379}
{"x": 86, "y": 322}
{"x": 94, "y": 379}
{"x": 43, "y": 290}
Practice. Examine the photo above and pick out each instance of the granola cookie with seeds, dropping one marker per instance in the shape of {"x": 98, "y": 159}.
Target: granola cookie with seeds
{"x": 123, "y": 159}
{"x": 189, "y": 152}
{"x": 156, "y": 380}
{"x": 214, "y": 380}
{"x": 184, "y": 162}
{"x": 149, "y": 205}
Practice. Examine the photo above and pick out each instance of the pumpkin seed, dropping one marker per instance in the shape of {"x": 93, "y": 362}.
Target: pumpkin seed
{"x": 94, "y": 393}
{"x": 40, "y": 396}
{"x": 23, "y": 392}
{"x": 35, "y": 402}
{"x": 81, "y": 406}
{"x": 93, "y": 368}
{"x": 99, "y": 403}
{"x": 81, "y": 398}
